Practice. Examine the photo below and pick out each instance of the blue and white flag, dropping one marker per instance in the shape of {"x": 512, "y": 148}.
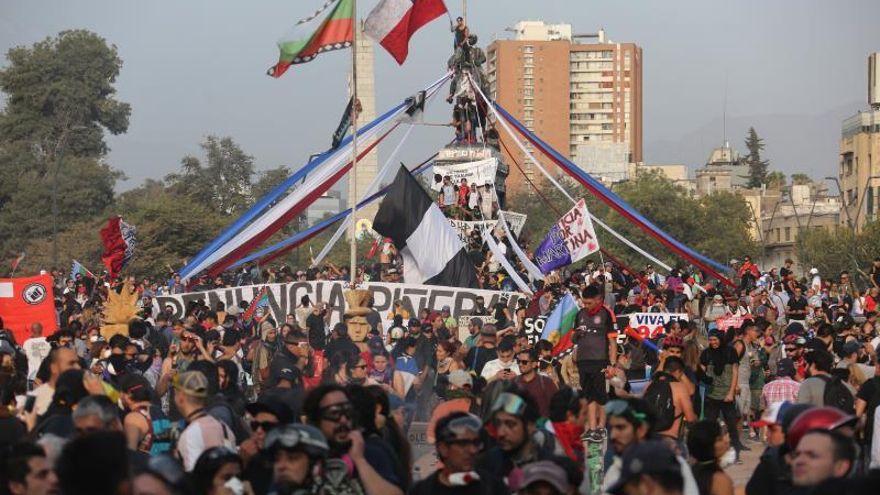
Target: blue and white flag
{"x": 571, "y": 239}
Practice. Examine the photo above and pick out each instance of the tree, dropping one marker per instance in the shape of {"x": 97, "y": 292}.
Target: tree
{"x": 776, "y": 180}
{"x": 59, "y": 96}
{"x": 59, "y": 103}
{"x": 717, "y": 225}
{"x": 268, "y": 180}
{"x": 224, "y": 183}
{"x": 757, "y": 167}
{"x": 801, "y": 180}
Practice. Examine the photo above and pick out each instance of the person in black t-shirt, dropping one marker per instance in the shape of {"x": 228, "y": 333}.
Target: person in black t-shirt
{"x": 316, "y": 324}
{"x": 867, "y": 400}
{"x": 458, "y": 443}
{"x": 797, "y": 306}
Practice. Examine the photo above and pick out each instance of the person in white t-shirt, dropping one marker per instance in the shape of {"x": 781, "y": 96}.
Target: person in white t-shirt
{"x": 202, "y": 431}
{"x": 36, "y": 349}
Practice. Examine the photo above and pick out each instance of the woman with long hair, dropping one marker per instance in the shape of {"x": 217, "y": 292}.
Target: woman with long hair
{"x": 707, "y": 443}
{"x": 217, "y": 473}
{"x": 383, "y": 373}
{"x": 392, "y": 431}
{"x": 229, "y": 387}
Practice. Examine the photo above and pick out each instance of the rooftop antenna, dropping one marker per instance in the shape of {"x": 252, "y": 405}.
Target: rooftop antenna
{"x": 724, "y": 114}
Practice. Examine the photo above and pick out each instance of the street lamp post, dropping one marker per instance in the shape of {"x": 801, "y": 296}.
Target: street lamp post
{"x": 58, "y": 163}
{"x": 843, "y": 204}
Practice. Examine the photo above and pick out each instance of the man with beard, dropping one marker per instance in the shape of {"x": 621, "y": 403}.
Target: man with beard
{"x": 720, "y": 365}
{"x": 180, "y": 357}
{"x": 329, "y": 408}
{"x": 262, "y": 353}
{"x": 631, "y": 422}
{"x": 458, "y": 444}
{"x": 28, "y": 471}
{"x": 296, "y": 451}
{"x": 293, "y": 353}
{"x": 519, "y": 440}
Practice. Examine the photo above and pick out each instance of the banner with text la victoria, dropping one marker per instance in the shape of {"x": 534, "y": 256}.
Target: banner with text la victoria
{"x": 284, "y": 298}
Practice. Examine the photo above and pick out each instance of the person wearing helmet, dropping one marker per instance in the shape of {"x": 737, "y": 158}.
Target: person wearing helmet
{"x": 772, "y": 475}
{"x": 459, "y": 441}
{"x": 296, "y": 450}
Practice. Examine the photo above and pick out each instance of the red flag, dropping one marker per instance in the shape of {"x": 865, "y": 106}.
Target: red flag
{"x": 119, "y": 241}
{"x": 27, "y": 300}
{"x": 393, "y": 22}
{"x": 373, "y": 248}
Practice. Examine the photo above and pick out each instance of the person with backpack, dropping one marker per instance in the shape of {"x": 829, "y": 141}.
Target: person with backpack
{"x": 671, "y": 401}
{"x": 823, "y": 389}
{"x": 147, "y": 428}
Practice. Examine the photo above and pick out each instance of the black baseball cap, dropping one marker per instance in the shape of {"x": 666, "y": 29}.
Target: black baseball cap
{"x": 651, "y": 457}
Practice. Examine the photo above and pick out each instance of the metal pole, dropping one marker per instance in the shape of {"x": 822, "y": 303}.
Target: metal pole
{"x": 842, "y": 201}
{"x": 352, "y": 174}
{"x": 464, "y": 11}
{"x": 864, "y": 194}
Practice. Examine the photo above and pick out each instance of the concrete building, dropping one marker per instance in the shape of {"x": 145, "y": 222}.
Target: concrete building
{"x": 329, "y": 203}
{"x": 859, "y": 175}
{"x": 807, "y": 207}
{"x": 723, "y": 172}
{"x": 581, "y": 93}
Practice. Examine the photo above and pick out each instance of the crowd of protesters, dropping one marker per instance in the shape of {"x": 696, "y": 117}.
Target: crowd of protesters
{"x": 216, "y": 403}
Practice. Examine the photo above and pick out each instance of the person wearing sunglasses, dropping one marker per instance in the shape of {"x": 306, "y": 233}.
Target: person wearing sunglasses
{"x": 459, "y": 442}
{"x": 264, "y": 416}
{"x": 519, "y": 441}
{"x": 329, "y": 408}
{"x": 596, "y": 339}
{"x": 540, "y": 387}
{"x": 632, "y": 422}
{"x": 297, "y": 453}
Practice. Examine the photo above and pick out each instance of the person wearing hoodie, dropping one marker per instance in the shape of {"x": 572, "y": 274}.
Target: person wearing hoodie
{"x": 262, "y": 353}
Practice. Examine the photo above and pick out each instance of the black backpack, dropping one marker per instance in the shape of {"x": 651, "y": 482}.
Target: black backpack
{"x": 837, "y": 395}
{"x": 659, "y": 396}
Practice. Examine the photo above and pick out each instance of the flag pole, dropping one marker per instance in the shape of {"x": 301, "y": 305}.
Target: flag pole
{"x": 352, "y": 177}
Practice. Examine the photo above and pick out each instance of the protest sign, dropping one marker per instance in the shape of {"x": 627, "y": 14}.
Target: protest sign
{"x": 481, "y": 172}
{"x": 534, "y": 328}
{"x": 570, "y": 239}
{"x": 651, "y": 325}
{"x": 731, "y": 321}
{"x": 27, "y": 300}
{"x": 283, "y": 298}
{"x": 514, "y": 220}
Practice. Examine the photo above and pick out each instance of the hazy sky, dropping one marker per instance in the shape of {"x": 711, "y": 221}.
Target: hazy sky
{"x": 197, "y": 67}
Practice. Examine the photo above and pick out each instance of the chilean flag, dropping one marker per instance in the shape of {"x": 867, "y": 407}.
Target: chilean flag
{"x": 393, "y": 22}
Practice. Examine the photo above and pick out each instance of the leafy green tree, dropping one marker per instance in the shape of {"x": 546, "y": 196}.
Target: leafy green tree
{"x": 776, "y": 180}
{"x": 268, "y": 180}
{"x": 757, "y": 167}
{"x": 224, "y": 182}
{"x": 60, "y": 100}
{"x": 801, "y": 179}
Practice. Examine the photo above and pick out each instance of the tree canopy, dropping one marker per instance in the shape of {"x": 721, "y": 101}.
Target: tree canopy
{"x": 758, "y": 167}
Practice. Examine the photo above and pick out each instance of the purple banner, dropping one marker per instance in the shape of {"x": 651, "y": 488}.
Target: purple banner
{"x": 552, "y": 253}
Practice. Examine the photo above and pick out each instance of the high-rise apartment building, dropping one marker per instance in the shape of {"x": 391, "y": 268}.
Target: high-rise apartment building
{"x": 859, "y": 173}
{"x": 582, "y": 94}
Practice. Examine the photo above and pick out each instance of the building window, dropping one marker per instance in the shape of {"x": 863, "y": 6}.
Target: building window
{"x": 787, "y": 234}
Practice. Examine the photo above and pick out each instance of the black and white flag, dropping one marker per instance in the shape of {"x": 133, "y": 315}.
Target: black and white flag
{"x": 432, "y": 252}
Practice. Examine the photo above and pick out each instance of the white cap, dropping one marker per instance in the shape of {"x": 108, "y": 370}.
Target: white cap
{"x": 814, "y": 271}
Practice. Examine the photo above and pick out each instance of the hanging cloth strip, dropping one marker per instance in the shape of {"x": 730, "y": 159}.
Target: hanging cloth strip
{"x": 562, "y": 189}
{"x": 237, "y": 233}
{"x": 268, "y": 254}
{"x": 386, "y": 170}
{"x": 496, "y": 252}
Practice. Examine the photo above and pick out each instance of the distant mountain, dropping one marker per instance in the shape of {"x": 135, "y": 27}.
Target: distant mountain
{"x": 794, "y": 143}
